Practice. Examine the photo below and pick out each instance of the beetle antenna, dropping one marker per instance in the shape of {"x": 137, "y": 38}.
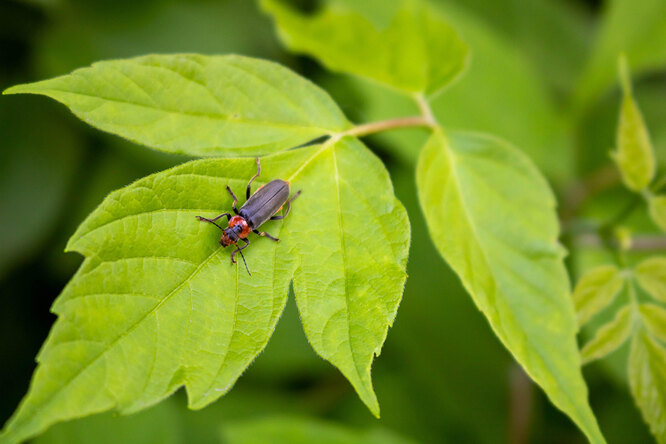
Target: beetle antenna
{"x": 248, "y": 270}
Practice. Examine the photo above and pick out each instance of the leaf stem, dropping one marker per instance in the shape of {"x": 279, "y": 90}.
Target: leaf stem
{"x": 384, "y": 125}
{"x": 425, "y": 109}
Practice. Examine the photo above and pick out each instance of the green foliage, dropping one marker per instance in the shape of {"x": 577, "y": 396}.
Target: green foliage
{"x": 156, "y": 286}
{"x": 295, "y": 430}
{"x": 634, "y": 155}
{"x": 596, "y": 290}
{"x": 417, "y": 52}
{"x": 657, "y": 210}
{"x": 197, "y": 105}
{"x": 156, "y": 304}
{"x": 610, "y": 336}
{"x": 647, "y": 379}
{"x": 490, "y": 214}
{"x": 654, "y": 319}
{"x": 651, "y": 275}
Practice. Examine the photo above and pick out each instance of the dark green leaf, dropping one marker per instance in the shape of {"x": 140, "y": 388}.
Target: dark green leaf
{"x": 418, "y": 52}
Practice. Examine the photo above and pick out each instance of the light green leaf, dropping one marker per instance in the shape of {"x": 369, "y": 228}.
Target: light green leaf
{"x": 294, "y": 430}
{"x": 651, "y": 275}
{"x": 596, "y": 290}
{"x": 499, "y": 76}
{"x": 416, "y": 52}
{"x": 654, "y": 319}
{"x": 348, "y": 283}
{"x": 647, "y": 379}
{"x": 634, "y": 155}
{"x": 157, "y": 304}
{"x": 197, "y": 105}
{"x": 639, "y": 30}
{"x": 657, "y": 210}
{"x": 610, "y": 336}
{"x": 492, "y": 217}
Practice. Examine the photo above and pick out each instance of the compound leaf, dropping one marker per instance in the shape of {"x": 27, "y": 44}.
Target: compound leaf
{"x": 647, "y": 379}
{"x": 657, "y": 210}
{"x": 651, "y": 276}
{"x": 610, "y": 336}
{"x": 654, "y": 319}
{"x": 157, "y": 304}
{"x": 416, "y": 52}
{"x": 492, "y": 217}
{"x": 596, "y": 290}
{"x": 197, "y": 105}
{"x": 634, "y": 155}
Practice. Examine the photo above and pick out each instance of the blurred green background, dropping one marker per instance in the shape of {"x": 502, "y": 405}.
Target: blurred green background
{"x": 542, "y": 75}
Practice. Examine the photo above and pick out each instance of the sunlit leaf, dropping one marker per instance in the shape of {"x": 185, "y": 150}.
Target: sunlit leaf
{"x": 492, "y": 218}
{"x": 596, "y": 290}
{"x": 295, "y": 430}
{"x": 197, "y": 105}
{"x": 610, "y": 336}
{"x": 499, "y": 76}
{"x": 157, "y": 304}
{"x": 657, "y": 210}
{"x": 654, "y": 318}
{"x": 647, "y": 379}
{"x": 651, "y": 275}
{"x": 416, "y": 52}
{"x": 634, "y": 155}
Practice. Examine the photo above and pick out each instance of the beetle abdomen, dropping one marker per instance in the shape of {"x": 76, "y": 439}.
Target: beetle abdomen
{"x": 265, "y": 202}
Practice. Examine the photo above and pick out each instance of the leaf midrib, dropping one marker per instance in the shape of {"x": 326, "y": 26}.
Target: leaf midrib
{"x": 448, "y": 152}
{"x": 212, "y": 116}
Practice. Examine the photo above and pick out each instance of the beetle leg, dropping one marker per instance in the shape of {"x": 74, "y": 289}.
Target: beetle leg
{"x": 212, "y": 221}
{"x": 215, "y": 218}
{"x": 298, "y": 193}
{"x": 247, "y": 190}
{"x": 247, "y": 242}
{"x": 233, "y": 205}
{"x": 263, "y": 233}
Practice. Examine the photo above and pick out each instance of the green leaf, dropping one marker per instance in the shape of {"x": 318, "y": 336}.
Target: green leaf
{"x": 197, "y": 105}
{"x": 596, "y": 290}
{"x": 654, "y": 319}
{"x": 640, "y": 32}
{"x": 492, "y": 217}
{"x": 294, "y": 430}
{"x": 415, "y": 52}
{"x": 657, "y": 210}
{"x": 634, "y": 155}
{"x": 157, "y": 304}
{"x": 610, "y": 336}
{"x": 651, "y": 275}
{"x": 647, "y": 379}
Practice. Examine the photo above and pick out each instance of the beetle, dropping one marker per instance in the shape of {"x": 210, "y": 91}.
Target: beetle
{"x": 258, "y": 208}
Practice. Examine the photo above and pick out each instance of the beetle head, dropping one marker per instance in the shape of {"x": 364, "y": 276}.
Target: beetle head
{"x": 228, "y": 237}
